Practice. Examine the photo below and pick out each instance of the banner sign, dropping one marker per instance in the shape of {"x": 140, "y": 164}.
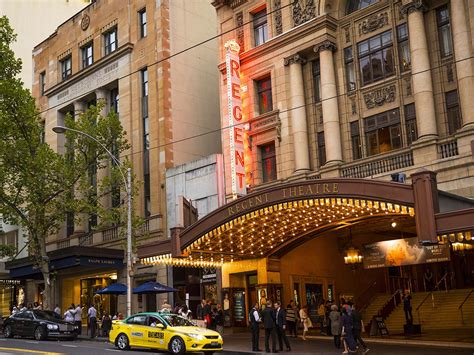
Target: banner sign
{"x": 234, "y": 116}
{"x": 401, "y": 252}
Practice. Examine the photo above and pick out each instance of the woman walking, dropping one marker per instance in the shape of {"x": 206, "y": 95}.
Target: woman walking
{"x": 347, "y": 335}
{"x": 305, "y": 320}
{"x": 336, "y": 326}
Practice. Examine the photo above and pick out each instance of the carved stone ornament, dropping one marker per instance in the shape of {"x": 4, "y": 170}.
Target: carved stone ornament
{"x": 303, "y": 10}
{"x": 295, "y": 59}
{"x": 347, "y": 34}
{"x": 379, "y": 97}
{"x": 85, "y": 22}
{"x": 278, "y": 21}
{"x": 235, "y": 3}
{"x": 325, "y": 46}
{"x": 373, "y": 23}
{"x": 239, "y": 19}
{"x": 408, "y": 86}
{"x": 410, "y": 7}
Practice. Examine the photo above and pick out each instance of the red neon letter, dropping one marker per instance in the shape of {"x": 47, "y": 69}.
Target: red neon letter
{"x": 238, "y": 135}
{"x": 239, "y": 158}
{"x": 234, "y": 68}
{"x": 235, "y": 91}
{"x": 237, "y": 113}
{"x": 241, "y": 179}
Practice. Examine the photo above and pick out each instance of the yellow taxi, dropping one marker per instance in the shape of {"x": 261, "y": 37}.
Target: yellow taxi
{"x": 164, "y": 331}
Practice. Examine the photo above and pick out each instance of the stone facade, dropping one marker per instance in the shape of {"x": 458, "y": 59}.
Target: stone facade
{"x": 352, "y": 109}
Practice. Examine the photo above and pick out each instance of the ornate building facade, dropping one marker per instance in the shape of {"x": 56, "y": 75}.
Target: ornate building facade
{"x": 357, "y": 89}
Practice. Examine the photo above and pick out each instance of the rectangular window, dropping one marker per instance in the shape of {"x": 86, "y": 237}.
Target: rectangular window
{"x": 383, "y": 132}
{"x": 410, "y": 123}
{"x": 114, "y": 100}
{"x": 42, "y": 82}
{"x": 142, "y": 22}
{"x": 69, "y": 224}
{"x": 376, "y": 58}
{"x": 10, "y": 238}
{"x": 403, "y": 47}
{"x": 260, "y": 27}
{"x": 269, "y": 168}
{"x": 110, "y": 41}
{"x": 355, "y": 139}
{"x": 66, "y": 68}
{"x": 444, "y": 31}
{"x": 452, "y": 111}
{"x": 264, "y": 93}
{"x": 350, "y": 73}
{"x": 321, "y": 149}
{"x": 87, "y": 53}
{"x": 317, "y": 80}
{"x": 146, "y": 142}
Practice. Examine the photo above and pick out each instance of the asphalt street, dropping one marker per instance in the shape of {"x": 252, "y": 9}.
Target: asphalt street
{"x": 235, "y": 343}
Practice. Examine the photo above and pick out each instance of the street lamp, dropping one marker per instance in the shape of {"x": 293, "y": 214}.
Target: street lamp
{"x": 128, "y": 187}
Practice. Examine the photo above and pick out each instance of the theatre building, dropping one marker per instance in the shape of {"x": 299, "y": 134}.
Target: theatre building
{"x": 348, "y": 153}
{"x": 116, "y": 52}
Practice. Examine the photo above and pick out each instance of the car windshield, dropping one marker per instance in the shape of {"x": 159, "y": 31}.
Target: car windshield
{"x": 176, "y": 321}
{"x": 44, "y": 315}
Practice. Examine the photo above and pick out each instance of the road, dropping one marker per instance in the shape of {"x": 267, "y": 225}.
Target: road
{"x": 314, "y": 347}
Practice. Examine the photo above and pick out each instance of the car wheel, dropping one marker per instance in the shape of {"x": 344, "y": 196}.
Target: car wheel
{"x": 177, "y": 346}
{"x": 39, "y": 333}
{"x": 122, "y": 342}
{"x": 7, "y": 331}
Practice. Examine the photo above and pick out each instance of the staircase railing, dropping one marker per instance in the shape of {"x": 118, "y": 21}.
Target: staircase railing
{"x": 462, "y": 304}
{"x": 364, "y": 299}
{"x": 387, "y": 308}
{"x": 444, "y": 278}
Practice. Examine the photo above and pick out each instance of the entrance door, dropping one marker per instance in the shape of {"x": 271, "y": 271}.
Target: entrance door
{"x": 252, "y": 290}
{"x": 314, "y": 296}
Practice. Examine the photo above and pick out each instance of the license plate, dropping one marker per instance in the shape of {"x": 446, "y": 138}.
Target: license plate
{"x": 214, "y": 343}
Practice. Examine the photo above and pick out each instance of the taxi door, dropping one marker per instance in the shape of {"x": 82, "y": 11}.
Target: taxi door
{"x": 138, "y": 331}
{"x": 155, "y": 333}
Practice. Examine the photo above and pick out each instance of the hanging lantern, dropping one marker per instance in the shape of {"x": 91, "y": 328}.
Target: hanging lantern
{"x": 353, "y": 257}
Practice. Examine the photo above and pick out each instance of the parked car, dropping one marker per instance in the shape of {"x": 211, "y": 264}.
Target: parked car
{"x": 39, "y": 325}
{"x": 164, "y": 331}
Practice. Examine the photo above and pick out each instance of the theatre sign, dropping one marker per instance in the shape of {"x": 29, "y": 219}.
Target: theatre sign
{"x": 235, "y": 121}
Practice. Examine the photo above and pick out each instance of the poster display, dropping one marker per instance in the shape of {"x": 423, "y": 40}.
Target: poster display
{"x": 401, "y": 252}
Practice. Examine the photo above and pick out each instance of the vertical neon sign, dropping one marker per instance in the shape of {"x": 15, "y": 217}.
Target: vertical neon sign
{"x": 234, "y": 115}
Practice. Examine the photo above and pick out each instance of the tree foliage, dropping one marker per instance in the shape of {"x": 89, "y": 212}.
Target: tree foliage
{"x": 40, "y": 184}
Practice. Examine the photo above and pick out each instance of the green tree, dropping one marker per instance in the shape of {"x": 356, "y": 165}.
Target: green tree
{"x": 39, "y": 187}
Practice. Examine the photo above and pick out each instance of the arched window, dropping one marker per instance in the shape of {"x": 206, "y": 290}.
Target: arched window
{"x": 354, "y": 5}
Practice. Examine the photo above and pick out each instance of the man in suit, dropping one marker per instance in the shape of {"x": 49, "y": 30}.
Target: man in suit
{"x": 280, "y": 316}
{"x": 254, "y": 317}
{"x": 269, "y": 322}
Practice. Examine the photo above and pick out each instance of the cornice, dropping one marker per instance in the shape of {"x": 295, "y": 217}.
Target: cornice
{"x": 326, "y": 45}
{"x": 413, "y": 6}
{"x": 294, "y": 59}
{"x": 102, "y": 62}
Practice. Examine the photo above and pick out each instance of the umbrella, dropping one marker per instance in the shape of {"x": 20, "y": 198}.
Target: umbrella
{"x": 113, "y": 289}
{"x": 153, "y": 287}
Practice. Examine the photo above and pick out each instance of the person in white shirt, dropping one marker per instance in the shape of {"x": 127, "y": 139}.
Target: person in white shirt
{"x": 57, "y": 310}
{"x": 92, "y": 314}
{"x": 69, "y": 315}
{"x": 254, "y": 317}
{"x": 78, "y": 318}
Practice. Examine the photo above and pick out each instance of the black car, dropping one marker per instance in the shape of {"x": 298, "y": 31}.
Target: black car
{"x": 39, "y": 325}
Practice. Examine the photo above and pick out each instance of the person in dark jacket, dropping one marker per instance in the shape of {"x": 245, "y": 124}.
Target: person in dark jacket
{"x": 280, "y": 316}
{"x": 347, "y": 334}
{"x": 207, "y": 314}
{"x": 254, "y": 317}
{"x": 358, "y": 328}
{"x": 269, "y": 323}
{"x": 291, "y": 318}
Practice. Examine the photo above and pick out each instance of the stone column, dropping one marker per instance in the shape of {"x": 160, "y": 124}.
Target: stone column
{"x": 105, "y": 200}
{"x": 299, "y": 125}
{"x": 425, "y": 193}
{"x": 80, "y": 225}
{"x": 332, "y": 128}
{"x": 462, "y": 55}
{"x": 421, "y": 70}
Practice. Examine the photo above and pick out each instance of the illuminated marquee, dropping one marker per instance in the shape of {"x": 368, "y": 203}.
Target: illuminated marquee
{"x": 234, "y": 115}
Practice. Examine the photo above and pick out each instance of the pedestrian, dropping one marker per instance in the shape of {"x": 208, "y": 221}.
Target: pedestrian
{"x": 291, "y": 319}
{"x": 322, "y": 317}
{"x": 165, "y": 307}
{"x": 57, "y": 310}
{"x": 407, "y": 308}
{"x": 207, "y": 314}
{"x": 254, "y": 318}
{"x": 30, "y": 306}
{"x": 269, "y": 323}
{"x": 280, "y": 317}
{"x": 106, "y": 325}
{"x": 185, "y": 312}
{"x": 346, "y": 333}
{"x": 305, "y": 320}
{"x": 15, "y": 310}
{"x": 69, "y": 314}
{"x": 78, "y": 318}
{"x": 358, "y": 328}
{"x": 23, "y": 307}
{"x": 200, "y": 309}
{"x": 37, "y": 306}
{"x": 219, "y": 319}
{"x": 428, "y": 278}
{"x": 213, "y": 325}
{"x": 327, "y": 310}
{"x": 336, "y": 326}
{"x": 92, "y": 314}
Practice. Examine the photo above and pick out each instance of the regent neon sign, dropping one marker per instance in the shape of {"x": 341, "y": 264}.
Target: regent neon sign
{"x": 234, "y": 115}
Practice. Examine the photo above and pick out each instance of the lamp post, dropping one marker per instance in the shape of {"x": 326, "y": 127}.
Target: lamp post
{"x": 128, "y": 187}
